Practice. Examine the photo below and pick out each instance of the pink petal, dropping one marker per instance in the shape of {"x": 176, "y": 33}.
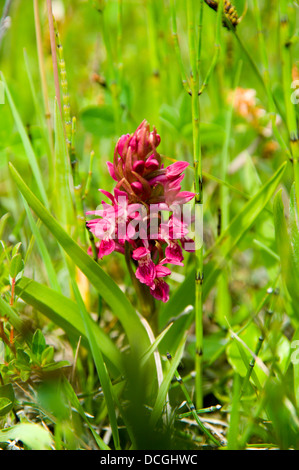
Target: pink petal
{"x": 162, "y": 271}
{"x": 137, "y": 187}
{"x": 173, "y": 252}
{"x": 176, "y": 169}
{"x": 106, "y": 193}
{"x": 107, "y": 246}
{"x": 152, "y": 164}
{"x": 140, "y": 252}
{"x": 160, "y": 290}
{"x": 183, "y": 197}
{"x": 111, "y": 170}
{"x": 121, "y": 143}
{"x": 138, "y": 166}
{"x": 146, "y": 273}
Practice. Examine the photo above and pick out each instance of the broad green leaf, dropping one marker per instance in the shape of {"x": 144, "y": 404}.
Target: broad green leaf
{"x": 106, "y": 287}
{"x": 16, "y": 265}
{"x": 38, "y": 343}
{"x": 7, "y": 398}
{"x": 47, "y": 355}
{"x": 3, "y": 221}
{"x": 32, "y": 435}
{"x": 65, "y": 313}
{"x": 23, "y": 359}
{"x": 5, "y": 406}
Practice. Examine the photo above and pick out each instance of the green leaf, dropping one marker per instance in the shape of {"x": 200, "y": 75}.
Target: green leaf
{"x": 32, "y": 435}
{"x": 7, "y": 398}
{"x": 38, "y": 343}
{"x": 23, "y": 359}
{"x": 3, "y": 221}
{"x": 5, "y": 406}
{"x": 16, "y": 266}
{"x": 106, "y": 287}
{"x": 47, "y": 355}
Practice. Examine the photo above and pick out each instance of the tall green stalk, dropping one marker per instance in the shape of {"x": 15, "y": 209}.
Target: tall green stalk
{"x": 194, "y": 52}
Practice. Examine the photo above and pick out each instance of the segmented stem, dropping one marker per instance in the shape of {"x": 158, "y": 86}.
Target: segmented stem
{"x": 197, "y": 159}
{"x": 193, "y": 409}
{"x": 64, "y": 88}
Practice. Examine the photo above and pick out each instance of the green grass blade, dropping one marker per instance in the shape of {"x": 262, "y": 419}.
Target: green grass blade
{"x": 42, "y": 249}
{"x": 154, "y": 345}
{"x": 233, "y": 431}
{"x": 77, "y": 405}
{"x": 163, "y": 390}
{"x": 27, "y": 145}
{"x": 99, "y": 363}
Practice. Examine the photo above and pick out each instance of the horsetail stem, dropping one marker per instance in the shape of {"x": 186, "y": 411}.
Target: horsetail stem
{"x": 198, "y": 184}
{"x": 64, "y": 87}
{"x": 251, "y": 365}
{"x": 54, "y": 54}
{"x": 88, "y": 180}
{"x": 193, "y": 409}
